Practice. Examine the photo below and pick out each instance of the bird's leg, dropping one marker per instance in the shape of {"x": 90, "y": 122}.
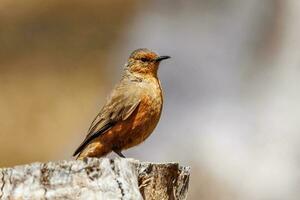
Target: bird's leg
{"x": 119, "y": 153}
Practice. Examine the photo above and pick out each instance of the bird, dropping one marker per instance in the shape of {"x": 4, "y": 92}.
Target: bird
{"x": 131, "y": 111}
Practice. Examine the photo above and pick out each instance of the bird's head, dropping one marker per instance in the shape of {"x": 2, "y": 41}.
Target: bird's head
{"x": 144, "y": 62}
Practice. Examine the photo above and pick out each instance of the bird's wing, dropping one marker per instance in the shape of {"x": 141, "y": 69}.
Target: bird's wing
{"x": 118, "y": 107}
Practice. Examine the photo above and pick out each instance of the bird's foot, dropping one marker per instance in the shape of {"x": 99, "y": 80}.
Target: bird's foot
{"x": 119, "y": 153}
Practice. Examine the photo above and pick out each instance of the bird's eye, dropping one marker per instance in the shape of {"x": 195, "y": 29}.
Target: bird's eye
{"x": 144, "y": 59}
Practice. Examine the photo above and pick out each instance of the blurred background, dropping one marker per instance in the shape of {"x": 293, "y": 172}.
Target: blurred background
{"x": 232, "y": 87}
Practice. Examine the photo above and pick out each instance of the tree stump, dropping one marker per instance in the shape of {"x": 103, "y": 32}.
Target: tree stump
{"x": 95, "y": 179}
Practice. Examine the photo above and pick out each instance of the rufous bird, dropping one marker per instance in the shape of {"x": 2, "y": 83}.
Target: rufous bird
{"x": 132, "y": 111}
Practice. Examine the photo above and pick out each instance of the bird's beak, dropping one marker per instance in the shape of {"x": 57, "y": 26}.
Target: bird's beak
{"x": 160, "y": 58}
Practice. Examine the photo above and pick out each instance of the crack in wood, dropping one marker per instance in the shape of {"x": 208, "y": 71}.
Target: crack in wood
{"x": 3, "y": 184}
{"x": 44, "y": 179}
{"x": 121, "y": 188}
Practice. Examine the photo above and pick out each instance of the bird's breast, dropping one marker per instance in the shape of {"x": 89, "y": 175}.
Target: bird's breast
{"x": 150, "y": 107}
{"x": 144, "y": 119}
{"x": 147, "y": 115}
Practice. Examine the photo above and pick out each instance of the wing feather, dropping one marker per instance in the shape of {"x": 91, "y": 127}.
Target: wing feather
{"x": 119, "y": 106}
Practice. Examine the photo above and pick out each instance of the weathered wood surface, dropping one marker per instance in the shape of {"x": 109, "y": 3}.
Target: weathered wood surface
{"x": 95, "y": 179}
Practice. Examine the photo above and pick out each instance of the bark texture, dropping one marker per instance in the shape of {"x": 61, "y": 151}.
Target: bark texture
{"x": 95, "y": 179}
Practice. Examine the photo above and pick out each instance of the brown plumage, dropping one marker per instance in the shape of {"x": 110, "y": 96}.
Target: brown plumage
{"x": 131, "y": 112}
